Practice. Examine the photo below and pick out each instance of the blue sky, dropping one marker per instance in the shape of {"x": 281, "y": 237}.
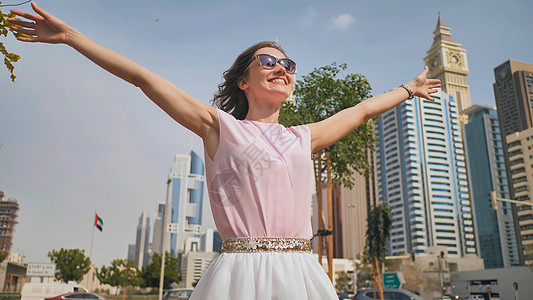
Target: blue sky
{"x": 78, "y": 140}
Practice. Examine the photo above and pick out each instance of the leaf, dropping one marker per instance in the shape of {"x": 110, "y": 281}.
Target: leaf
{"x": 13, "y": 57}
{"x": 8, "y": 57}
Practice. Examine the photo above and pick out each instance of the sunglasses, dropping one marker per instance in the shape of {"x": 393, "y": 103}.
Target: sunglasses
{"x": 269, "y": 62}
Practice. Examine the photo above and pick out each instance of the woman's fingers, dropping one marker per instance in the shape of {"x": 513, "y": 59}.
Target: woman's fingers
{"x": 40, "y": 11}
{"x": 21, "y": 23}
{"x": 23, "y": 30}
{"x": 424, "y": 72}
{"x": 28, "y": 39}
{"x": 27, "y": 15}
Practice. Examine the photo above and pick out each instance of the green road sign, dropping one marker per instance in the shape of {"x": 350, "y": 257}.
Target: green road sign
{"x": 392, "y": 281}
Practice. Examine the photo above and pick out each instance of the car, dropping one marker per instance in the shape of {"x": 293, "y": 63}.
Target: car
{"x": 177, "y": 294}
{"x": 77, "y": 296}
{"x": 475, "y": 297}
{"x": 343, "y": 296}
{"x": 39, "y": 291}
{"x": 388, "y": 294}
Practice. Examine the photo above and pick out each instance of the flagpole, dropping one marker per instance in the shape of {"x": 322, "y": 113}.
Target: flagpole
{"x": 92, "y": 238}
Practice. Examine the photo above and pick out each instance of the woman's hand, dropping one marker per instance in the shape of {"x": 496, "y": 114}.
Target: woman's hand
{"x": 42, "y": 27}
{"x": 422, "y": 86}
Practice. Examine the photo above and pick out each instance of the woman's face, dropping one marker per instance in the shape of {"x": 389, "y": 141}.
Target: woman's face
{"x": 267, "y": 84}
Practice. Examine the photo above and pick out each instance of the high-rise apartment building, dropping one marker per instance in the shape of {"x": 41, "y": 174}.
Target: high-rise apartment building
{"x": 447, "y": 61}
{"x": 184, "y": 194}
{"x": 513, "y": 92}
{"x": 8, "y": 216}
{"x": 131, "y": 252}
{"x": 520, "y": 147}
{"x": 494, "y": 228}
{"x": 421, "y": 173}
{"x": 352, "y": 209}
{"x": 159, "y": 227}
{"x": 142, "y": 241}
{"x": 211, "y": 241}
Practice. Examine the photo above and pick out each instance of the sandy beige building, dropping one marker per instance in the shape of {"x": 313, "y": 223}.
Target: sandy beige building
{"x": 520, "y": 149}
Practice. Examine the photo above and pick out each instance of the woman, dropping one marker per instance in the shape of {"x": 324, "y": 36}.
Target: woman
{"x": 259, "y": 173}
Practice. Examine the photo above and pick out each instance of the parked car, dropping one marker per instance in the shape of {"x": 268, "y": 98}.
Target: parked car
{"x": 177, "y": 294}
{"x": 388, "y": 294}
{"x": 343, "y": 296}
{"x": 475, "y": 297}
{"x": 40, "y": 291}
{"x": 77, "y": 296}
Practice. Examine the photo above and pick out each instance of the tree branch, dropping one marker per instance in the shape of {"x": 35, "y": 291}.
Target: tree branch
{"x": 6, "y": 5}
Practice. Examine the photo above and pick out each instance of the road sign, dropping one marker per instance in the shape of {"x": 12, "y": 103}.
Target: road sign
{"x": 392, "y": 280}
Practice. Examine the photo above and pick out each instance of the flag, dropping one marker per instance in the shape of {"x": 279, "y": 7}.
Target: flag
{"x": 98, "y": 222}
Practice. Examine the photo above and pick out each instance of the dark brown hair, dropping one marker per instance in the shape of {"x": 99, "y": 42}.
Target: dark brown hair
{"x": 229, "y": 97}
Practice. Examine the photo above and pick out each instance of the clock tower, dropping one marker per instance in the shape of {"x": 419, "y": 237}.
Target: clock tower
{"x": 447, "y": 61}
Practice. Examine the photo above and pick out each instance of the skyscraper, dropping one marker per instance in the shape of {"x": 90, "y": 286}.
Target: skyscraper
{"x": 520, "y": 145}
{"x": 494, "y": 228}
{"x": 141, "y": 242}
{"x": 185, "y": 194}
{"x": 8, "y": 216}
{"x": 513, "y": 92}
{"x": 447, "y": 61}
{"x": 159, "y": 227}
{"x": 421, "y": 174}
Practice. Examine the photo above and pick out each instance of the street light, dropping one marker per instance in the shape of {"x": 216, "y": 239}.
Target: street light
{"x": 494, "y": 199}
{"x": 441, "y": 256}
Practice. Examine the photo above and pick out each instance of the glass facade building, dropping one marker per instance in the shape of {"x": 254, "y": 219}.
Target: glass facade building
{"x": 494, "y": 228}
{"x": 185, "y": 189}
{"x": 421, "y": 174}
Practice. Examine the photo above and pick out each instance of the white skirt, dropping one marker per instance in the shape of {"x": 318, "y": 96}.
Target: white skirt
{"x": 264, "y": 276}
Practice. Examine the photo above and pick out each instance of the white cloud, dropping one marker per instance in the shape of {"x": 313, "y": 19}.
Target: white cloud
{"x": 342, "y": 21}
{"x": 309, "y": 16}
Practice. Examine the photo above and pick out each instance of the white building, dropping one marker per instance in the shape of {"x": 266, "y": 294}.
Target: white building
{"x": 159, "y": 224}
{"x": 421, "y": 174}
{"x": 184, "y": 195}
{"x": 193, "y": 266}
{"x": 141, "y": 243}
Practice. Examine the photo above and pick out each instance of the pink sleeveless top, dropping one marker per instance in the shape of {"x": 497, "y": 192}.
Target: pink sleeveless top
{"x": 261, "y": 179}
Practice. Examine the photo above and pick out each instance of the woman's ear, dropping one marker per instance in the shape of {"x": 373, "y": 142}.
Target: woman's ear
{"x": 242, "y": 83}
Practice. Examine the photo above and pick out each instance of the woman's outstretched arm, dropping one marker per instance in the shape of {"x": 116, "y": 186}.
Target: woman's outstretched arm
{"x": 43, "y": 27}
{"x": 332, "y": 129}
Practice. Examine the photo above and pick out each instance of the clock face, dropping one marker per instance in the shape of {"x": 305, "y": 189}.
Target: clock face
{"x": 455, "y": 59}
{"x": 503, "y": 73}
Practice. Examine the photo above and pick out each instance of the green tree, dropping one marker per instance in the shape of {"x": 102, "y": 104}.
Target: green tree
{"x": 320, "y": 95}
{"x": 364, "y": 275}
{"x": 378, "y": 229}
{"x": 151, "y": 273}
{"x": 71, "y": 264}
{"x": 121, "y": 273}
{"x": 9, "y": 58}
{"x": 343, "y": 283}
{"x": 108, "y": 275}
